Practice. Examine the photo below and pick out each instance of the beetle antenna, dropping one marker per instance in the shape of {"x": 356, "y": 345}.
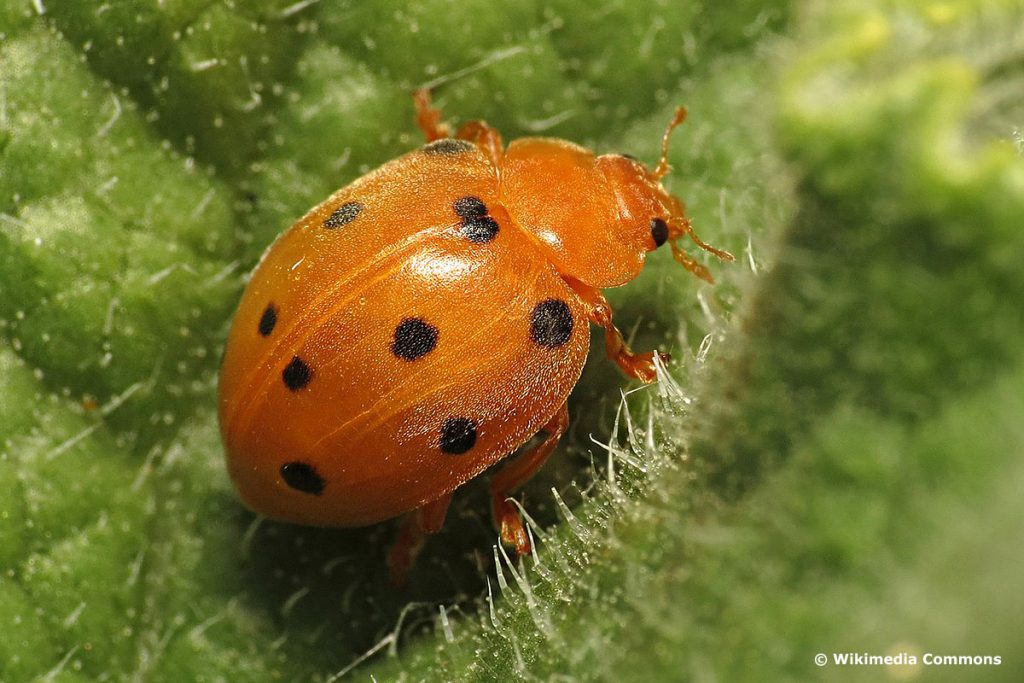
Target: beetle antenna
{"x": 680, "y": 226}
{"x": 662, "y": 169}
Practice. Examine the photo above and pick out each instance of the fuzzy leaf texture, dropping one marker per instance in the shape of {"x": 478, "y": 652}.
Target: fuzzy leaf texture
{"x": 831, "y": 463}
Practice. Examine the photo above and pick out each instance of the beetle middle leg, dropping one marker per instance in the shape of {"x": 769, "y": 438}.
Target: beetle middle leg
{"x": 517, "y": 473}
{"x": 416, "y": 527}
{"x": 428, "y": 117}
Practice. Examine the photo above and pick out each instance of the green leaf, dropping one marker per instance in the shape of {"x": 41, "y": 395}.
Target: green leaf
{"x": 831, "y": 470}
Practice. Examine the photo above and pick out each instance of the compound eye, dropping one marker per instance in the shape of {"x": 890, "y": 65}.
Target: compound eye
{"x": 659, "y": 231}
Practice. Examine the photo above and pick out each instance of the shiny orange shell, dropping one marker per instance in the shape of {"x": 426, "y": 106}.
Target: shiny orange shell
{"x": 401, "y": 338}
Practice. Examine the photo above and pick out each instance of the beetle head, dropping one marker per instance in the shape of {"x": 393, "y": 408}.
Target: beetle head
{"x": 643, "y": 201}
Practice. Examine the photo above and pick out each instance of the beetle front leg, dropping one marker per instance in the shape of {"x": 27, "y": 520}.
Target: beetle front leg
{"x": 483, "y": 136}
{"x": 637, "y": 365}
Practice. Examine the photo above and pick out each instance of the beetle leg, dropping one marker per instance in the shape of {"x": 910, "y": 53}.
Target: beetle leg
{"x": 416, "y": 526}
{"x": 483, "y": 136}
{"x": 428, "y": 117}
{"x": 515, "y": 474}
{"x": 637, "y": 365}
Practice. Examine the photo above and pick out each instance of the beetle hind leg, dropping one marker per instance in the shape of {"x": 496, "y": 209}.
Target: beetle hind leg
{"x": 517, "y": 473}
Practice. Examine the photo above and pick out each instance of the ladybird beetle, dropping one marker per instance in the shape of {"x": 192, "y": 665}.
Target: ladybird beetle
{"x": 427, "y": 320}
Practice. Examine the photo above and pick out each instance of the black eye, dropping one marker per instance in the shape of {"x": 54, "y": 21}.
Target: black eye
{"x": 659, "y": 231}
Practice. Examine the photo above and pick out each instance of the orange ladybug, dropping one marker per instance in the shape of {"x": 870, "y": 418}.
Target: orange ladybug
{"x": 426, "y": 321}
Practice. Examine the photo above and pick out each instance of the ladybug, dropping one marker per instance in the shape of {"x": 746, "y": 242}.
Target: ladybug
{"x": 424, "y": 322}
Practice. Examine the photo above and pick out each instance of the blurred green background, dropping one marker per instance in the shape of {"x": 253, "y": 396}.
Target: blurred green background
{"x": 832, "y": 466}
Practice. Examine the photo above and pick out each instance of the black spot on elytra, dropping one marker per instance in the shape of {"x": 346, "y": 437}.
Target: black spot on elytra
{"x": 470, "y": 207}
{"x": 296, "y": 374}
{"x": 268, "y": 320}
{"x": 479, "y": 229}
{"x": 414, "y": 338}
{"x": 476, "y": 226}
{"x": 448, "y": 146}
{"x": 303, "y": 477}
{"x": 343, "y": 215}
{"x": 551, "y": 323}
{"x": 458, "y": 435}
{"x": 659, "y": 231}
